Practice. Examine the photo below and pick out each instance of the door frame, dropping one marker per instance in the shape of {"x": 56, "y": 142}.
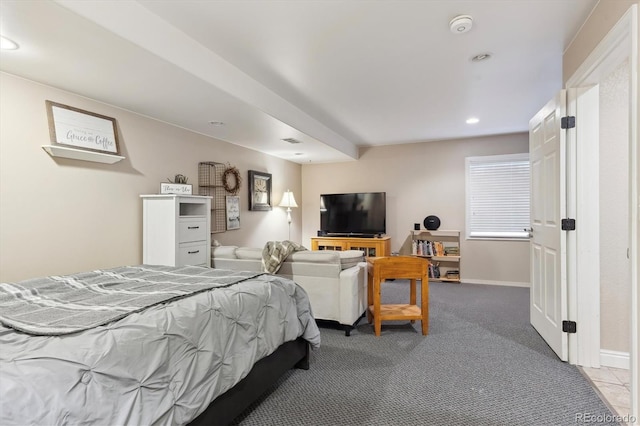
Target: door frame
{"x": 620, "y": 43}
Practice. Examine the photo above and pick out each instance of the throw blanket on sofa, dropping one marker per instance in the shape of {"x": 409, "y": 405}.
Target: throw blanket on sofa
{"x": 276, "y": 252}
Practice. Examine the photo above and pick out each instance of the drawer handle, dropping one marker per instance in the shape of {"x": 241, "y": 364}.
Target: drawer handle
{"x": 193, "y": 227}
{"x": 193, "y": 252}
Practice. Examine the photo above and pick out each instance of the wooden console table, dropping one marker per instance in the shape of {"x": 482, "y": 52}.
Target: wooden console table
{"x": 407, "y": 267}
{"x": 372, "y": 247}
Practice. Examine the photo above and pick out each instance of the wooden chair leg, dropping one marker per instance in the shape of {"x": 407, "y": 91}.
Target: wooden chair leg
{"x": 412, "y": 294}
{"x": 377, "y": 326}
{"x": 369, "y": 297}
{"x": 424, "y": 296}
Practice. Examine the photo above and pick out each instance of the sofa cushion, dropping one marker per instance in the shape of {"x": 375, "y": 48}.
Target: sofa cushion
{"x": 350, "y": 258}
{"x": 249, "y": 253}
{"x": 224, "y": 252}
{"x": 314, "y": 256}
{"x": 346, "y": 259}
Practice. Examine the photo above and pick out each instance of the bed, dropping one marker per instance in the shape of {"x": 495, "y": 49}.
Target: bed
{"x": 147, "y": 345}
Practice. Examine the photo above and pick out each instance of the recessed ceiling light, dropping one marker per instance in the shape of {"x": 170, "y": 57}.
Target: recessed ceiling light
{"x": 472, "y": 120}
{"x": 6, "y": 44}
{"x": 481, "y": 57}
{"x": 298, "y": 153}
{"x": 217, "y": 123}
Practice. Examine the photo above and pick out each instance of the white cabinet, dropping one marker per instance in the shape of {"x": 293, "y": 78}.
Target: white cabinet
{"x": 176, "y": 230}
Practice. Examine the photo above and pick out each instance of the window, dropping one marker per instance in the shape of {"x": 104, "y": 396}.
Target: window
{"x": 498, "y": 196}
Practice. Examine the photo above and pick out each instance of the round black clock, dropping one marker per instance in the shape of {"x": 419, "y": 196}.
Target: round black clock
{"x": 431, "y": 223}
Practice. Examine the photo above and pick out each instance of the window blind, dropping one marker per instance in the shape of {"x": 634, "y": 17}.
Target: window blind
{"x": 498, "y": 194}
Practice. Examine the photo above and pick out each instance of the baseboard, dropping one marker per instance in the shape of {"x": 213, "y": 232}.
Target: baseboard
{"x": 615, "y": 359}
{"x": 490, "y": 282}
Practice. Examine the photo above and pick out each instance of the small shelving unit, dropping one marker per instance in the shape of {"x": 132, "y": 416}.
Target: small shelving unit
{"x": 442, "y": 248}
{"x": 210, "y": 185}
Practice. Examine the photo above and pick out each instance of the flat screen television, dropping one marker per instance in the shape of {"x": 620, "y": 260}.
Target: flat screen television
{"x": 355, "y": 214}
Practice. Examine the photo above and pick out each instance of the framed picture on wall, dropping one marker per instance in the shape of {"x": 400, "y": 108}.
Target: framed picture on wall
{"x": 259, "y": 191}
{"x": 80, "y": 129}
{"x": 233, "y": 212}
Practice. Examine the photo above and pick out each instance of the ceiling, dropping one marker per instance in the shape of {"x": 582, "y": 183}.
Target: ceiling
{"x": 334, "y": 75}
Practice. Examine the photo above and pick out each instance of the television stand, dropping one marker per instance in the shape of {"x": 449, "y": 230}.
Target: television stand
{"x": 352, "y": 235}
{"x": 371, "y": 246}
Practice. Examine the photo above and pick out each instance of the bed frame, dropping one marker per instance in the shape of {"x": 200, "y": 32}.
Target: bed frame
{"x": 229, "y": 405}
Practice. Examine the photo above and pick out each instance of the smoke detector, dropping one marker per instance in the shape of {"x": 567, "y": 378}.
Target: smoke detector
{"x": 461, "y": 24}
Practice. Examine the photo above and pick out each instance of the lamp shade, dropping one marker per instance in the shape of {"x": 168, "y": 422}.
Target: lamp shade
{"x": 288, "y": 200}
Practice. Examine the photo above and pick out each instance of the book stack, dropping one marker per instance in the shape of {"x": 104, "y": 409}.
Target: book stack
{"x": 434, "y": 270}
{"x": 438, "y": 248}
{"x": 452, "y": 251}
{"x": 422, "y": 248}
{"x": 432, "y": 248}
{"x": 453, "y": 274}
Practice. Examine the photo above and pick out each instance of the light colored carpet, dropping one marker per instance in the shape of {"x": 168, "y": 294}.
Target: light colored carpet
{"x": 481, "y": 364}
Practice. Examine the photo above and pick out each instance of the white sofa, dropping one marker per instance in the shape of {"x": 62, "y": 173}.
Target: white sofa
{"x": 335, "y": 281}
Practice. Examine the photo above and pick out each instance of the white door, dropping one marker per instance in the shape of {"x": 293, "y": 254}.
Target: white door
{"x": 547, "y": 148}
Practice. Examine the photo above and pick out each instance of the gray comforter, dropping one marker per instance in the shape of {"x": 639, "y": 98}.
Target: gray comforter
{"x": 161, "y": 365}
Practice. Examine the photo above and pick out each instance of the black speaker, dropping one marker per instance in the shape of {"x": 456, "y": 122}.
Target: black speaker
{"x": 432, "y": 223}
{"x": 321, "y": 233}
{"x": 416, "y": 226}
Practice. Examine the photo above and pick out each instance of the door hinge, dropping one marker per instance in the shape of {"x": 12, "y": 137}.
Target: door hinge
{"x": 569, "y": 326}
{"x": 568, "y": 122}
{"x": 568, "y": 224}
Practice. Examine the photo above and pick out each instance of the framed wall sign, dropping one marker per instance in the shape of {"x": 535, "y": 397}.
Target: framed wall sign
{"x": 259, "y": 191}
{"x": 233, "y": 212}
{"x": 80, "y": 129}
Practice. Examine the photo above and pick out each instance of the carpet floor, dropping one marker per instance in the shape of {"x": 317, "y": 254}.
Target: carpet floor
{"x": 481, "y": 364}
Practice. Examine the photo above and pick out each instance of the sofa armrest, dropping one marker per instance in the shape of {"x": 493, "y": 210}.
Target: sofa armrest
{"x": 353, "y": 293}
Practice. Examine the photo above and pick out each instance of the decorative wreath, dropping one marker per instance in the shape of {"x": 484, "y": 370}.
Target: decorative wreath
{"x": 233, "y": 171}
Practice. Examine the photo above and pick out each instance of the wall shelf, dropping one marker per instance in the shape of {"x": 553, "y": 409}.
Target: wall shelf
{"x": 80, "y": 154}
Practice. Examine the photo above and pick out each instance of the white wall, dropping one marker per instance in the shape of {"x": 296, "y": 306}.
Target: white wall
{"x": 422, "y": 179}
{"x": 62, "y": 216}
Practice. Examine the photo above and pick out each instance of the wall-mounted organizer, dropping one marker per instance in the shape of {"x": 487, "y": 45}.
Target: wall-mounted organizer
{"x": 210, "y": 184}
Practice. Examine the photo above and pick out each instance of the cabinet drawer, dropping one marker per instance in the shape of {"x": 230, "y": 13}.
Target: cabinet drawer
{"x": 192, "y": 230}
{"x": 192, "y": 254}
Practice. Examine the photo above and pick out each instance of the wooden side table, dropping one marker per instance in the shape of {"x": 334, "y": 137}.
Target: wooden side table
{"x": 407, "y": 267}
